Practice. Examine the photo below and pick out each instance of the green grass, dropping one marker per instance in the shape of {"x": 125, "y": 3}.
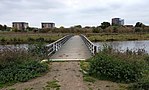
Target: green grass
{"x": 12, "y": 89}
{"x": 25, "y": 38}
{"x": 117, "y": 37}
{"x": 89, "y": 78}
{"x": 84, "y": 65}
{"x": 28, "y": 89}
{"x": 52, "y": 85}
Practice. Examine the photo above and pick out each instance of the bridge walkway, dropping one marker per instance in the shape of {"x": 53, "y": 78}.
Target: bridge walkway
{"x": 73, "y": 49}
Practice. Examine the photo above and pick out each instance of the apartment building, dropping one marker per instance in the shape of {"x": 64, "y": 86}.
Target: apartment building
{"x": 20, "y": 26}
{"x": 117, "y": 21}
{"x": 47, "y": 25}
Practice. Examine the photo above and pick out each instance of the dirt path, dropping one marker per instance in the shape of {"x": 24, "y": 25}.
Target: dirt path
{"x": 68, "y": 76}
{"x": 67, "y": 73}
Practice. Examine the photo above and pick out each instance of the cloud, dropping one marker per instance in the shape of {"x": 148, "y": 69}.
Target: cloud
{"x": 71, "y": 12}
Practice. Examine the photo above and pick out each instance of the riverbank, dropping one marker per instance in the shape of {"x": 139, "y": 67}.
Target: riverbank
{"x": 117, "y": 37}
{"x": 27, "y": 38}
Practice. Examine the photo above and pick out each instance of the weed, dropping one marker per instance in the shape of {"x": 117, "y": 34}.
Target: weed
{"x": 52, "y": 85}
{"x": 12, "y": 89}
{"x": 88, "y": 79}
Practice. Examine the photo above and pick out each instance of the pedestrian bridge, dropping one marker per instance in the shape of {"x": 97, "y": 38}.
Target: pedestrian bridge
{"x": 71, "y": 47}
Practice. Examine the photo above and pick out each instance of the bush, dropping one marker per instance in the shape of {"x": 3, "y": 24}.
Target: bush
{"x": 21, "y": 72}
{"x": 106, "y": 66}
{"x": 38, "y": 49}
{"x": 18, "y": 65}
{"x": 139, "y": 86}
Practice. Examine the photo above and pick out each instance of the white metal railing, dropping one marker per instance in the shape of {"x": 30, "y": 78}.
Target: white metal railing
{"x": 93, "y": 48}
{"x": 55, "y": 46}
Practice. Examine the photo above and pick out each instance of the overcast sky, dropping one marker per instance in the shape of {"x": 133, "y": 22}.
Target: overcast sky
{"x": 73, "y": 12}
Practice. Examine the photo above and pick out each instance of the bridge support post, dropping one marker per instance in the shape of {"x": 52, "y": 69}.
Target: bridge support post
{"x": 95, "y": 50}
{"x": 56, "y": 47}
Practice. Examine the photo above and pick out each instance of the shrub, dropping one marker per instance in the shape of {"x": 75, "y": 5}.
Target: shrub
{"x": 106, "y": 66}
{"x": 21, "y": 72}
{"x": 38, "y": 49}
{"x": 18, "y": 65}
{"x": 139, "y": 86}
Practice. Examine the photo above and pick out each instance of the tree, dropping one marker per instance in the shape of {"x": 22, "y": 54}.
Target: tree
{"x": 62, "y": 27}
{"x": 104, "y": 25}
{"x": 1, "y": 27}
{"x": 78, "y": 26}
{"x": 139, "y": 24}
{"x": 5, "y": 27}
{"x": 96, "y": 30}
{"x": 30, "y": 28}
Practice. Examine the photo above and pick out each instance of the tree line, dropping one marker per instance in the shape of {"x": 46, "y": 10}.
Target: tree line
{"x": 105, "y": 27}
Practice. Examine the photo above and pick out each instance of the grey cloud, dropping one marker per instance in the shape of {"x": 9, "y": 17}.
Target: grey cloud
{"x": 31, "y": 4}
{"x": 59, "y": 11}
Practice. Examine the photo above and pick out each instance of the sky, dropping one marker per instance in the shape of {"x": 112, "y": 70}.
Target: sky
{"x": 73, "y": 12}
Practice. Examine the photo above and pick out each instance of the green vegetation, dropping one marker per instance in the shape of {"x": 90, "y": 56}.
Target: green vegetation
{"x": 26, "y": 38}
{"x": 38, "y": 49}
{"x": 4, "y": 28}
{"x": 48, "y": 38}
{"x": 139, "y": 24}
{"x": 109, "y": 67}
{"x": 19, "y": 65}
{"x": 84, "y": 65}
{"x": 88, "y": 78}
{"x": 124, "y": 67}
{"x": 12, "y": 89}
{"x": 117, "y": 37}
{"x": 52, "y": 85}
{"x": 105, "y": 25}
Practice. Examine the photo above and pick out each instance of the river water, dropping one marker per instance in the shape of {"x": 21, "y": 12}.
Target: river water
{"x": 123, "y": 45}
{"x": 23, "y": 46}
{"x": 120, "y": 45}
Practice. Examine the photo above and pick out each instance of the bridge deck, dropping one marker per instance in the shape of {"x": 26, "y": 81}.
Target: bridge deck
{"x": 73, "y": 49}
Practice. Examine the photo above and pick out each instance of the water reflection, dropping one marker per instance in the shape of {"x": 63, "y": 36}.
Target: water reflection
{"x": 123, "y": 45}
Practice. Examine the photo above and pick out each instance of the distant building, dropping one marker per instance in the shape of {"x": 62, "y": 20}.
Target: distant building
{"x": 47, "y": 25}
{"x": 20, "y": 26}
{"x": 117, "y": 21}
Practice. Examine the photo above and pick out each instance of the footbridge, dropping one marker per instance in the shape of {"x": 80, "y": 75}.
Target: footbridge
{"x": 71, "y": 47}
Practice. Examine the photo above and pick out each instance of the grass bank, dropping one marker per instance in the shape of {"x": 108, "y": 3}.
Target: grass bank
{"x": 123, "y": 67}
{"x": 117, "y": 37}
{"x": 27, "y": 38}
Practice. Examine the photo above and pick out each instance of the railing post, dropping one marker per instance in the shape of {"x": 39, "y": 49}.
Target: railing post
{"x": 53, "y": 47}
{"x": 56, "y": 48}
{"x": 95, "y": 49}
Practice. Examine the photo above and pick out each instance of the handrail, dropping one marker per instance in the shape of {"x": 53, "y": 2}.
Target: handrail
{"x": 93, "y": 48}
{"x": 55, "y": 46}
